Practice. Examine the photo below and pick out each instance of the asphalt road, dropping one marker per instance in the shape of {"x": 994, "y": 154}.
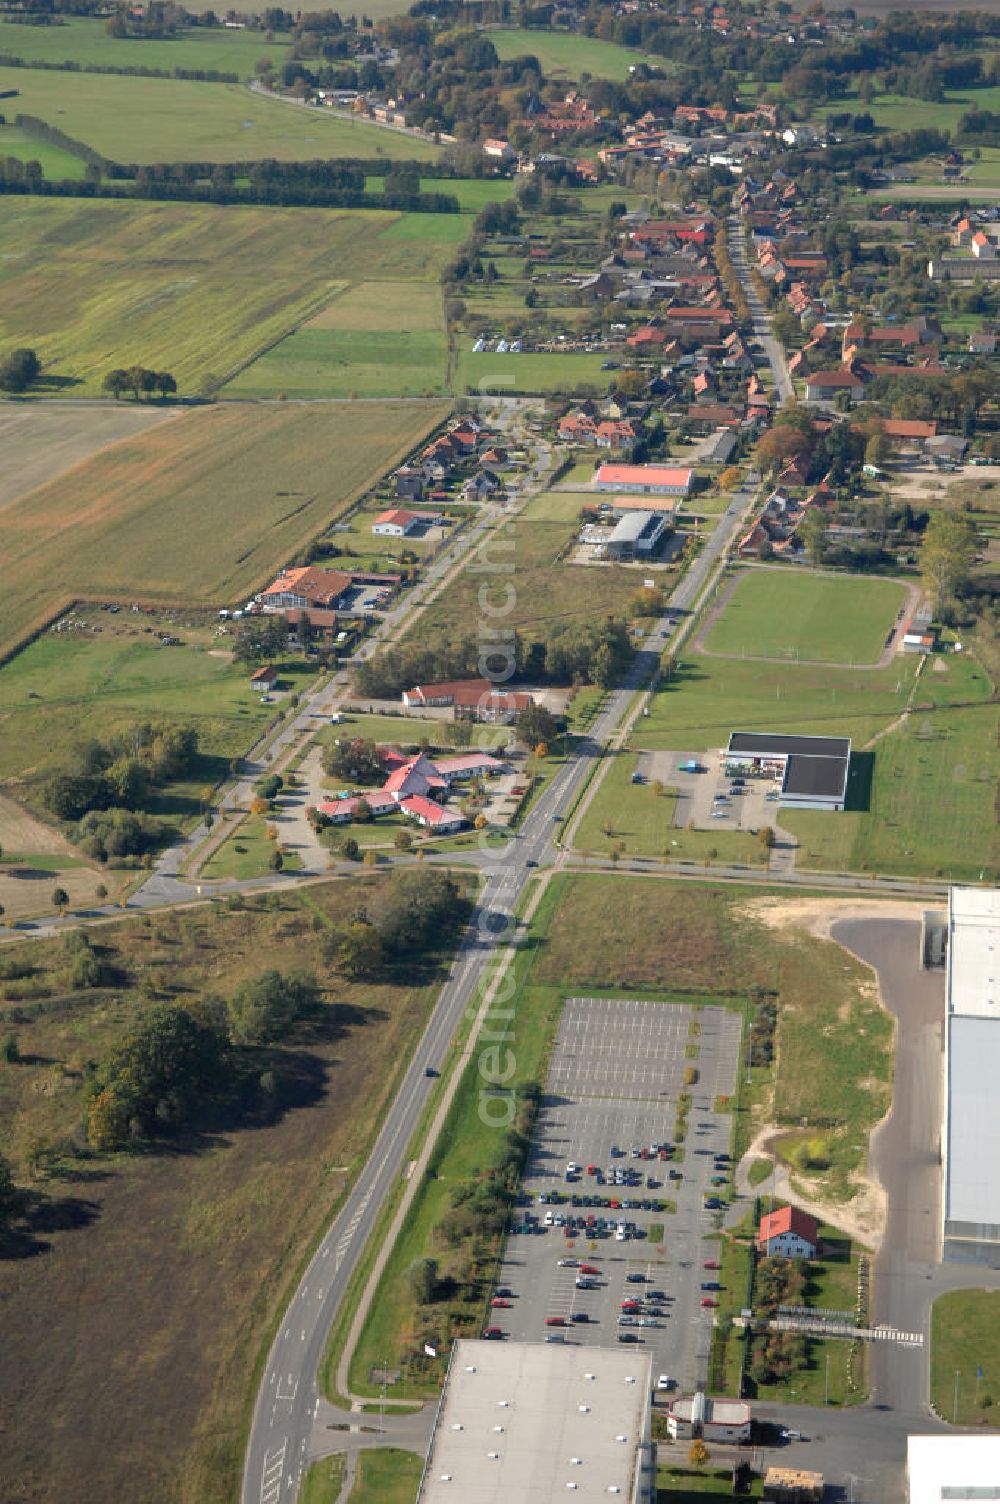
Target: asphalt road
{"x": 761, "y": 320}
{"x": 288, "y": 1401}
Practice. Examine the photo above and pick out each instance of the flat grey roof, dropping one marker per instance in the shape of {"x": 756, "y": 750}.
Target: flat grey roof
{"x": 974, "y": 952}
{"x": 815, "y": 775}
{"x": 972, "y": 1185}
{"x": 634, "y": 525}
{"x": 777, "y": 744}
{"x": 525, "y": 1420}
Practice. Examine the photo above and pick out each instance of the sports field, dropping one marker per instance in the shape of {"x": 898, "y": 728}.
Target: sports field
{"x": 806, "y": 618}
{"x": 200, "y": 509}
{"x": 84, "y": 41}
{"x": 172, "y": 120}
{"x": 564, "y": 55}
{"x": 194, "y": 289}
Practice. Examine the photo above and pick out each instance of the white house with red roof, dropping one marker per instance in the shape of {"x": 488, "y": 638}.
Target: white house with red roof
{"x": 469, "y": 699}
{"x": 411, "y": 786}
{"x": 789, "y": 1232}
{"x": 397, "y": 522}
{"x": 434, "y": 816}
{"x": 667, "y": 480}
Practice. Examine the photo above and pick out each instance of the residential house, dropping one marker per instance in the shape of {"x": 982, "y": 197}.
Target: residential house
{"x": 397, "y": 522}
{"x": 264, "y": 680}
{"x": 788, "y": 1232}
{"x": 824, "y": 386}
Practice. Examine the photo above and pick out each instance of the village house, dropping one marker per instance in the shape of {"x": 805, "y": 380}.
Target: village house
{"x": 789, "y": 1233}
{"x": 470, "y": 699}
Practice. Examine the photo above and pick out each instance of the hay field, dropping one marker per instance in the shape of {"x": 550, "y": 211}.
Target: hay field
{"x": 194, "y": 289}
{"x": 172, "y": 120}
{"x": 39, "y": 440}
{"x": 197, "y": 510}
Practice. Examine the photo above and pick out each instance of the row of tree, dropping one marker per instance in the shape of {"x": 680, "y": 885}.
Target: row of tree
{"x": 140, "y": 382}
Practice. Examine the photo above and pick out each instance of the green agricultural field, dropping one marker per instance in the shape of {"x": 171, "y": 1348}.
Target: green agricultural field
{"x": 473, "y": 194}
{"x": 804, "y": 617}
{"x": 335, "y": 363}
{"x": 528, "y": 373}
{"x": 898, "y": 112}
{"x": 97, "y": 284}
{"x": 55, "y": 163}
{"x": 929, "y": 809}
{"x": 965, "y": 1337}
{"x": 201, "y": 509}
{"x": 86, "y": 42}
{"x": 168, "y": 120}
{"x": 565, "y": 55}
{"x": 72, "y": 686}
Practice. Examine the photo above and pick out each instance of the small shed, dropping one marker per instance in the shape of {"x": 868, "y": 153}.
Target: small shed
{"x": 264, "y": 680}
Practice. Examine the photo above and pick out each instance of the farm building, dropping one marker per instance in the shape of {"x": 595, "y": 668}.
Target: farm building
{"x": 711, "y": 1419}
{"x": 789, "y": 1232}
{"x": 641, "y": 480}
{"x": 264, "y": 680}
{"x": 636, "y": 535}
{"x": 939, "y": 1468}
{"x": 307, "y": 587}
{"x": 811, "y": 771}
{"x": 970, "y": 1136}
{"x": 469, "y": 699}
{"x": 529, "y": 1421}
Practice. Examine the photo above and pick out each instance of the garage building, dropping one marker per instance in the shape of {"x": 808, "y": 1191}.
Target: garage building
{"x": 812, "y": 770}
{"x": 636, "y": 535}
{"x": 970, "y": 1137}
{"x": 531, "y": 1420}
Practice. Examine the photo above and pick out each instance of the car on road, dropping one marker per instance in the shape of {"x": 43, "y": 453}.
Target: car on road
{"x": 492, "y": 1334}
{"x": 787, "y": 1435}
{"x": 708, "y": 1301}
{"x": 531, "y": 862}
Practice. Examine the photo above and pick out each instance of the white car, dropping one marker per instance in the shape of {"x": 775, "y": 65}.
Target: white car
{"x": 665, "y": 1381}
{"x": 572, "y": 1167}
{"x": 549, "y": 1219}
{"x": 568, "y": 1263}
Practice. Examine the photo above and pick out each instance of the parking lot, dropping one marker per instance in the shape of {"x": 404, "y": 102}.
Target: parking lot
{"x": 612, "y": 1094}
{"x": 708, "y": 797}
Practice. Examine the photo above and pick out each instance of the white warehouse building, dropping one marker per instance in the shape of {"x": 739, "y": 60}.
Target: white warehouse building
{"x": 970, "y": 1135}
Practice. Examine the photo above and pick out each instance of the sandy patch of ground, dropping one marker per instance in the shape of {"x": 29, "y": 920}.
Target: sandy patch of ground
{"x": 22, "y": 834}
{"x": 26, "y": 888}
{"x": 862, "y": 1218}
{"x": 817, "y": 916}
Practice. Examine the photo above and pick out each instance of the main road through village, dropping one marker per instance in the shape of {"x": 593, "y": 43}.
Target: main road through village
{"x": 288, "y": 1399}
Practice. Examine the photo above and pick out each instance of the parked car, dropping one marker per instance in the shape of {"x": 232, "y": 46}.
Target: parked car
{"x": 711, "y": 1264}
{"x": 710, "y": 1284}
{"x": 628, "y": 1337}
{"x": 708, "y": 1301}
{"x": 492, "y": 1333}
{"x": 665, "y": 1381}
{"x": 555, "y": 1321}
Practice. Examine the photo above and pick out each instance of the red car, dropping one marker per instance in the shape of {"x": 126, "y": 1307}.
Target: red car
{"x": 708, "y": 1301}
{"x": 500, "y": 1305}
{"x": 631, "y": 1307}
{"x": 711, "y": 1264}
{"x": 557, "y": 1320}
{"x": 615, "y": 1205}
{"x": 492, "y": 1333}
{"x": 588, "y": 1269}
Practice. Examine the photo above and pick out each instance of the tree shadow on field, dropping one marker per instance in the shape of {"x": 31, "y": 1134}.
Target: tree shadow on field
{"x": 38, "y": 1216}
{"x": 48, "y": 382}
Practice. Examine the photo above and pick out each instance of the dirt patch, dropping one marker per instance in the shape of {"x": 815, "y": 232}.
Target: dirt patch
{"x": 226, "y": 653}
{"x": 817, "y": 916}
{"x": 23, "y": 834}
{"x": 862, "y": 1218}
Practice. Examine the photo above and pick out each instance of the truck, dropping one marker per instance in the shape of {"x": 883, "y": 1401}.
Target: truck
{"x": 691, "y": 766}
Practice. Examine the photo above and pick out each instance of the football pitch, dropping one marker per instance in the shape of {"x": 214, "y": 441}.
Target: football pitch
{"x": 803, "y": 617}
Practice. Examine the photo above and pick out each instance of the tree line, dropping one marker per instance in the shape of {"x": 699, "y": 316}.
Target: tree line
{"x": 140, "y": 382}
{"x": 134, "y": 70}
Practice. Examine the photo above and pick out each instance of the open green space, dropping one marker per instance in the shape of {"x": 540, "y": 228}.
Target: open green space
{"x": 558, "y": 506}
{"x": 965, "y": 1337}
{"x": 71, "y": 687}
{"x": 322, "y": 1481}
{"x": 387, "y": 1476}
{"x": 924, "y": 793}
{"x": 92, "y": 285}
{"x": 806, "y": 617}
{"x": 676, "y": 1482}
{"x": 502, "y": 375}
{"x": 53, "y": 160}
{"x": 637, "y": 819}
{"x": 473, "y": 194}
{"x": 224, "y": 1218}
{"x": 566, "y": 55}
{"x": 174, "y": 120}
{"x": 78, "y": 39}
{"x": 335, "y": 363}
{"x": 248, "y": 851}
{"x": 199, "y": 509}
{"x": 900, "y": 112}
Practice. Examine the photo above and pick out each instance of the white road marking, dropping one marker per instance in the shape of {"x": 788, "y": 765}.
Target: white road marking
{"x": 270, "y": 1482}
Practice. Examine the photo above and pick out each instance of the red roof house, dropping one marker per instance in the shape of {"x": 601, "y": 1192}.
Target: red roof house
{"x": 788, "y": 1232}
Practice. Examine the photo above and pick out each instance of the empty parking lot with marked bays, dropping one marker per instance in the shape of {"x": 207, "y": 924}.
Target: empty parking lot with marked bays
{"x": 616, "y": 1074}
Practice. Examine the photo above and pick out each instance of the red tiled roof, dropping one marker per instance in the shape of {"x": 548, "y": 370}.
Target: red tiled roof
{"x": 788, "y": 1219}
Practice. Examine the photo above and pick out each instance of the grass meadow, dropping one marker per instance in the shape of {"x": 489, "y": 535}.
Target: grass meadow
{"x": 210, "y": 1233}
{"x": 530, "y": 373}
{"x": 567, "y": 56}
{"x": 54, "y": 162}
{"x": 965, "y": 1337}
{"x": 200, "y": 510}
{"x": 806, "y": 617}
{"x": 84, "y": 41}
{"x": 171, "y": 120}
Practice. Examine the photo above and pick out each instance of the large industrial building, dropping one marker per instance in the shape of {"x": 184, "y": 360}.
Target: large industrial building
{"x": 940, "y": 1469}
{"x": 970, "y": 1139}
{"x": 811, "y": 771}
{"x": 532, "y": 1421}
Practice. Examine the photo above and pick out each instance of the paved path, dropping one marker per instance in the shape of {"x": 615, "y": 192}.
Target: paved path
{"x": 773, "y": 349}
